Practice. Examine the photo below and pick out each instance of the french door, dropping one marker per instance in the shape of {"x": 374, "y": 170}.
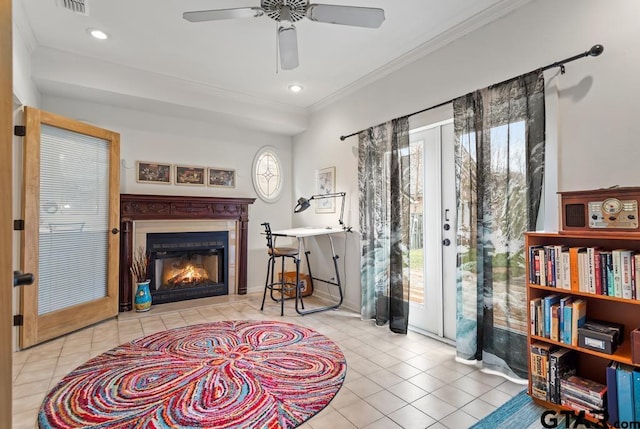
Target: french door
{"x": 71, "y": 219}
{"x": 432, "y": 233}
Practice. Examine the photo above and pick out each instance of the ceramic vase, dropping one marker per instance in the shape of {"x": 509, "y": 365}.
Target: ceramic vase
{"x": 142, "y": 301}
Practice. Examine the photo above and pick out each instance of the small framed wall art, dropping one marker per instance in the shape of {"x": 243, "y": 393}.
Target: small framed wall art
{"x": 221, "y": 177}
{"x": 190, "y": 175}
{"x": 153, "y": 172}
{"x": 326, "y": 184}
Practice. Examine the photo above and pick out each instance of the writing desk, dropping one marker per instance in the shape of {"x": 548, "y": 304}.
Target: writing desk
{"x": 300, "y": 234}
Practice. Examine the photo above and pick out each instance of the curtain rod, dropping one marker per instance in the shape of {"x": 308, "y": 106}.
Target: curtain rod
{"x": 593, "y": 52}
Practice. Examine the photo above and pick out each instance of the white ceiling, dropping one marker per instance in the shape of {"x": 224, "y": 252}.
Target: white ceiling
{"x": 157, "y": 60}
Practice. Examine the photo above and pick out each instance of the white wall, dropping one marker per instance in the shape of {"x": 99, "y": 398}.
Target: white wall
{"x": 597, "y": 97}
{"x": 150, "y": 137}
{"x": 24, "y": 89}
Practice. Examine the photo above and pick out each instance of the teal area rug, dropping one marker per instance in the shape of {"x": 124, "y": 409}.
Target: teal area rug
{"x": 518, "y": 412}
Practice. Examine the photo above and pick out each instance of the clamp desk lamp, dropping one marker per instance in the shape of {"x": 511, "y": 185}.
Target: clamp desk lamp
{"x": 304, "y": 203}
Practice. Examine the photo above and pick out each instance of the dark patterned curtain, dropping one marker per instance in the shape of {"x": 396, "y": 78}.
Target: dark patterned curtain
{"x": 383, "y": 179}
{"x": 499, "y": 137}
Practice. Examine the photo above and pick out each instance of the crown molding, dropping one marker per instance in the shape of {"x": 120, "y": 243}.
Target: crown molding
{"x": 481, "y": 19}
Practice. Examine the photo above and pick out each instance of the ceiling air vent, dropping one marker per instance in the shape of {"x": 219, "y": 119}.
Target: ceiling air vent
{"x": 77, "y": 6}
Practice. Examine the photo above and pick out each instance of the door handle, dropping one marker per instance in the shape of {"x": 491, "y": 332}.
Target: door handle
{"x": 446, "y": 242}
{"x": 21, "y": 279}
{"x": 115, "y": 231}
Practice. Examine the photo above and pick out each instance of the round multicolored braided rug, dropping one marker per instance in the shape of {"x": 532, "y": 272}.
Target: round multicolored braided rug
{"x": 234, "y": 374}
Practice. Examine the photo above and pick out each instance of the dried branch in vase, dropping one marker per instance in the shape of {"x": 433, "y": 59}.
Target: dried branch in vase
{"x": 139, "y": 265}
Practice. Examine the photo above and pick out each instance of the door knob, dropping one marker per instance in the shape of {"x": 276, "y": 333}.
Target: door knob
{"x": 446, "y": 242}
{"x": 20, "y": 278}
{"x": 115, "y": 231}
{"x": 446, "y": 227}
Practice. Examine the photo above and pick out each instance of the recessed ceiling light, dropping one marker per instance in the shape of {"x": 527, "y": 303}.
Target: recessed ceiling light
{"x": 98, "y": 34}
{"x": 295, "y": 88}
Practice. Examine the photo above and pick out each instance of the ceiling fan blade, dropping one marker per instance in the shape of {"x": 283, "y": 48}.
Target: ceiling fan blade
{"x": 218, "y": 14}
{"x": 288, "y": 47}
{"x": 369, "y": 17}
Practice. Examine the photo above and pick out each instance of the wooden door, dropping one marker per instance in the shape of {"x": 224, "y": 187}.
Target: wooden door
{"x": 61, "y": 227}
{"x": 6, "y": 232}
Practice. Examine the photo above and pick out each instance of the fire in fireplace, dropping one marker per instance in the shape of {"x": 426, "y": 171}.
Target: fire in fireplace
{"x": 187, "y": 265}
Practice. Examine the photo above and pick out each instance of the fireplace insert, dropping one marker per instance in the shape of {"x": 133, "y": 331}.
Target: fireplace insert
{"x": 187, "y": 265}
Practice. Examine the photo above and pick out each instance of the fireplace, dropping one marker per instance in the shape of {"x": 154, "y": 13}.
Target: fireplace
{"x": 159, "y": 212}
{"x": 187, "y": 265}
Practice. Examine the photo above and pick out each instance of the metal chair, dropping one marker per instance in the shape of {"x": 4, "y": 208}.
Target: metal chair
{"x": 282, "y": 285}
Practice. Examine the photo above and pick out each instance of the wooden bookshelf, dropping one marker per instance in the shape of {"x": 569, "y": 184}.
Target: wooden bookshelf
{"x": 591, "y": 364}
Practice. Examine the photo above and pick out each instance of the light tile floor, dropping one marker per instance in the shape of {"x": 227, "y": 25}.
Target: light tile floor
{"x": 393, "y": 381}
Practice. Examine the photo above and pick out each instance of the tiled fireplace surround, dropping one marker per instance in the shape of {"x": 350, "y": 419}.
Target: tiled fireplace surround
{"x": 143, "y": 214}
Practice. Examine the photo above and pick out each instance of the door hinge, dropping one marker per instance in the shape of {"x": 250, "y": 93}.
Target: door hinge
{"x": 20, "y": 130}
{"x": 18, "y": 320}
{"x": 18, "y": 225}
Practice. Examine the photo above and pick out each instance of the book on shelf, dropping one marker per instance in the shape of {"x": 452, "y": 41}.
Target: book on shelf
{"x": 534, "y": 264}
{"x": 578, "y": 318}
{"x": 586, "y": 269}
{"x": 636, "y": 275}
{"x": 565, "y": 301}
{"x": 534, "y": 305}
{"x": 636, "y": 392}
{"x": 624, "y": 383}
{"x": 591, "y": 271}
{"x": 626, "y": 273}
{"x": 540, "y": 369}
{"x": 560, "y": 266}
{"x": 611, "y": 283}
{"x": 612, "y": 392}
{"x": 605, "y": 272}
{"x": 574, "y": 270}
{"x": 583, "y": 269}
{"x": 567, "y": 330}
{"x": 543, "y": 266}
{"x": 548, "y": 301}
{"x": 594, "y": 412}
{"x": 583, "y": 394}
{"x": 584, "y": 389}
{"x": 617, "y": 272}
{"x": 554, "y": 329}
{"x": 635, "y": 346}
{"x": 550, "y": 259}
{"x": 562, "y": 363}
{"x": 565, "y": 268}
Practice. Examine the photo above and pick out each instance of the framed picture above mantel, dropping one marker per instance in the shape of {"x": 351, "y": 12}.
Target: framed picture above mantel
{"x": 222, "y": 177}
{"x": 153, "y": 172}
{"x": 190, "y": 175}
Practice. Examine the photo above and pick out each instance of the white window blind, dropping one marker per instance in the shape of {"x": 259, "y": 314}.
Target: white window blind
{"x": 74, "y": 219}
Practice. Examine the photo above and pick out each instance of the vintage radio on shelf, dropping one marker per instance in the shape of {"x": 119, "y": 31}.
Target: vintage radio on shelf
{"x": 610, "y": 209}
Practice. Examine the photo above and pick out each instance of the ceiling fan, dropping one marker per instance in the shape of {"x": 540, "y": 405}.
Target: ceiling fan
{"x": 286, "y": 12}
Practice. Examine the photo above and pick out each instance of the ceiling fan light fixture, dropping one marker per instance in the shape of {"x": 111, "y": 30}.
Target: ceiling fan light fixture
{"x": 288, "y": 47}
